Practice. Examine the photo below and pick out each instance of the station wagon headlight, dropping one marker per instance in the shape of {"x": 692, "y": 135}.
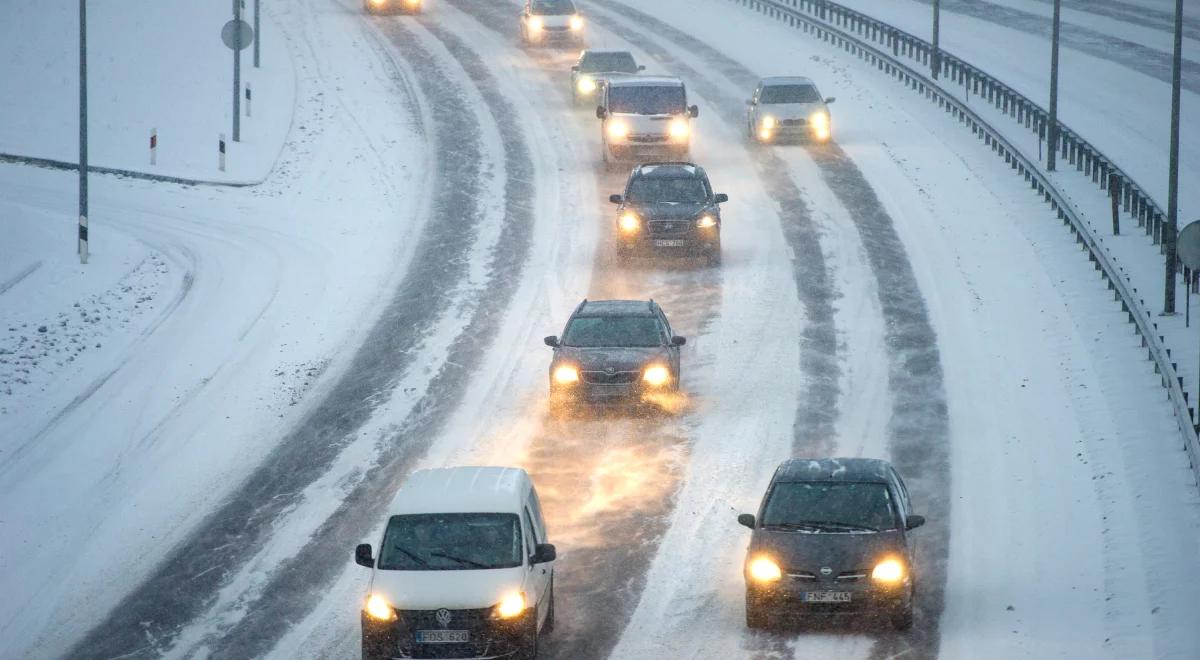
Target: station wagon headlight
{"x": 656, "y": 376}
{"x": 379, "y": 608}
{"x": 706, "y": 221}
{"x": 769, "y": 123}
{"x": 889, "y": 571}
{"x": 679, "y": 129}
{"x": 629, "y": 222}
{"x": 820, "y": 124}
{"x": 511, "y": 606}
{"x": 536, "y": 24}
{"x": 764, "y": 569}
{"x": 586, "y": 85}
{"x": 618, "y": 129}
{"x": 576, "y": 23}
{"x": 566, "y": 374}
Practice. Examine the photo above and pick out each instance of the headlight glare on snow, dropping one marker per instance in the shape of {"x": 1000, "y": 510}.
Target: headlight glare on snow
{"x": 764, "y": 569}
{"x": 618, "y": 129}
{"x": 511, "y": 606}
{"x": 888, "y": 570}
{"x": 576, "y": 23}
{"x": 629, "y": 222}
{"x": 379, "y": 608}
{"x": 586, "y": 85}
{"x": 679, "y": 129}
{"x": 656, "y": 376}
{"x": 566, "y": 374}
{"x": 706, "y": 221}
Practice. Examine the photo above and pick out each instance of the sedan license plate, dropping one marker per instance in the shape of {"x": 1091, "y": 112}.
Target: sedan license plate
{"x": 669, "y": 243}
{"x": 827, "y": 596}
{"x": 443, "y": 636}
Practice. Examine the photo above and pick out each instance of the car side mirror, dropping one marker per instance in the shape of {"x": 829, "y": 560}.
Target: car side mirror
{"x": 551, "y": 341}
{"x": 746, "y": 520}
{"x": 601, "y": 113}
{"x": 678, "y": 341}
{"x": 721, "y": 198}
{"x": 914, "y": 522}
{"x": 542, "y": 553}
{"x": 575, "y": 67}
{"x": 362, "y": 555}
{"x": 616, "y": 199}
{"x": 641, "y": 67}
{"x": 830, "y": 100}
{"x": 694, "y": 111}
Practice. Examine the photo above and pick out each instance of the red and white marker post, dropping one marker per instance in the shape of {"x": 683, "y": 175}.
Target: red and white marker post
{"x": 154, "y": 146}
{"x": 247, "y": 99}
{"x": 221, "y": 149}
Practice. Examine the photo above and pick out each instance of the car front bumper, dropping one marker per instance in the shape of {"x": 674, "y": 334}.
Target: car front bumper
{"x": 488, "y": 638}
{"x": 649, "y": 150}
{"x": 788, "y": 598}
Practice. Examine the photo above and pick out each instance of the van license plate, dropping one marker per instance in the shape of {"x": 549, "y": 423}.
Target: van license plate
{"x": 668, "y": 243}
{"x": 443, "y": 636}
{"x": 827, "y": 596}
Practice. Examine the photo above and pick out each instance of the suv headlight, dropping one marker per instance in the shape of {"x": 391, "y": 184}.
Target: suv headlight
{"x": 706, "y": 221}
{"x": 679, "y": 129}
{"x": 566, "y": 374}
{"x": 629, "y": 222}
{"x": 379, "y": 608}
{"x": 656, "y": 376}
{"x": 586, "y": 85}
{"x": 889, "y": 571}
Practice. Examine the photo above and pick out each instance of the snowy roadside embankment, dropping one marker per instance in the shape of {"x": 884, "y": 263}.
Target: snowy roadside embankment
{"x": 151, "y": 65}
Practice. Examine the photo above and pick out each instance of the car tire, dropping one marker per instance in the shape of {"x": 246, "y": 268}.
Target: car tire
{"x": 756, "y": 616}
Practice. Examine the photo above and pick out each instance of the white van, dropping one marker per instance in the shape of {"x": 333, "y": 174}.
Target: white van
{"x": 463, "y": 570}
{"x": 645, "y": 119}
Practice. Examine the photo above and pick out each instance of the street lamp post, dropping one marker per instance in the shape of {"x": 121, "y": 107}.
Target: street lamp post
{"x": 1170, "y": 232}
{"x": 1052, "y": 129}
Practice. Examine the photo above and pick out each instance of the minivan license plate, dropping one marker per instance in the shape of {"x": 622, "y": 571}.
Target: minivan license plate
{"x": 443, "y": 636}
{"x": 827, "y": 596}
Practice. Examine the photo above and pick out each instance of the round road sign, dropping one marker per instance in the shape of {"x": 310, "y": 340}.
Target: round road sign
{"x": 237, "y": 35}
{"x": 1188, "y": 245}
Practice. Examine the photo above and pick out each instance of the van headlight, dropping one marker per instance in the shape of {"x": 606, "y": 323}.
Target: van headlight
{"x": 618, "y": 129}
{"x": 656, "y": 376}
{"x": 576, "y": 23}
{"x": 511, "y": 606}
{"x": 379, "y": 608}
{"x": 679, "y": 129}
{"x": 586, "y": 85}
{"x": 764, "y": 570}
{"x": 889, "y": 571}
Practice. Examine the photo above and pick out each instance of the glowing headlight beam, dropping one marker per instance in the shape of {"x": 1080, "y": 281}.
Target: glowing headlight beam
{"x": 576, "y": 23}
{"x": 536, "y": 24}
{"x": 656, "y": 376}
{"x": 379, "y": 608}
{"x": 566, "y": 374}
{"x": 679, "y": 129}
{"x": 629, "y": 222}
{"x": 511, "y": 606}
{"x": 888, "y": 570}
{"x": 763, "y": 569}
{"x": 586, "y": 85}
{"x": 618, "y": 130}
{"x": 769, "y": 122}
{"x": 706, "y": 221}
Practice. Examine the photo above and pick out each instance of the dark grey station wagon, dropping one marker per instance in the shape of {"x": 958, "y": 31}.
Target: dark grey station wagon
{"x": 832, "y": 538}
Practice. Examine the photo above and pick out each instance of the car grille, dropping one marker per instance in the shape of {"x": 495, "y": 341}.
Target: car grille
{"x": 665, "y": 228}
{"x": 477, "y": 622}
{"x": 556, "y": 28}
{"x": 605, "y": 378}
{"x": 793, "y": 122}
{"x": 648, "y": 139}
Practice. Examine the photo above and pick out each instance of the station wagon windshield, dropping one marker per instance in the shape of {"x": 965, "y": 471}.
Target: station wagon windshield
{"x": 662, "y": 189}
{"x": 789, "y": 94}
{"x": 830, "y": 506}
{"x": 553, "y": 7}
{"x": 646, "y": 100}
{"x": 620, "y": 62}
{"x": 451, "y": 541}
{"x": 614, "y": 331}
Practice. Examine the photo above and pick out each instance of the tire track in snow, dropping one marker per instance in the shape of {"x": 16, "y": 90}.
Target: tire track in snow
{"x": 919, "y": 426}
{"x": 186, "y": 583}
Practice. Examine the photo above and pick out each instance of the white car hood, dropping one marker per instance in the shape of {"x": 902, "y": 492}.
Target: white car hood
{"x": 455, "y": 590}
{"x": 790, "y": 110}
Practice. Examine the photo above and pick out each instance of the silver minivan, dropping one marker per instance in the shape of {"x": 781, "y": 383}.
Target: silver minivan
{"x": 463, "y": 568}
{"x": 645, "y": 119}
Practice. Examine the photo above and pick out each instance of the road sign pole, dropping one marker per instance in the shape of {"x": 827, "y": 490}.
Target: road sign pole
{"x": 83, "y": 137}
{"x": 1170, "y": 232}
{"x": 257, "y": 32}
{"x": 237, "y": 79}
{"x": 1052, "y": 130}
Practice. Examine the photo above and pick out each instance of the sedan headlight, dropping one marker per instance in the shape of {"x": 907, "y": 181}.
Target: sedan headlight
{"x": 656, "y": 376}
{"x": 566, "y": 374}
{"x": 769, "y": 123}
{"x": 679, "y": 129}
{"x": 618, "y": 130}
{"x": 629, "y": 222}
{"x": 576, "y": 23}
{"x": 764, "y": 569}
{"x": 379, "y": 608}
{"x": 586, "y": 85}
{"x": 820, "y": 124}
{"x": 536, "y": 24}
{"x": 889, "y": 571}
{"x": 706, "y": 221}
{"x": 511, "y": 606}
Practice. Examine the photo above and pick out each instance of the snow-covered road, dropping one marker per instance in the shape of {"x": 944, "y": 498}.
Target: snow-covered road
{"x": 898, "y": 294}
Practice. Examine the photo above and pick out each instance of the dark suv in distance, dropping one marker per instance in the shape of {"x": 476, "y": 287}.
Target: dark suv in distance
{"x": 669, "y": 208}
{"x": 831, "y": 538}
{"x": 614, "y": 351}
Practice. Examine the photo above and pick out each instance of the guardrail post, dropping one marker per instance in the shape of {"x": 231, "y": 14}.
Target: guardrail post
{"x": 1114, "y": 188}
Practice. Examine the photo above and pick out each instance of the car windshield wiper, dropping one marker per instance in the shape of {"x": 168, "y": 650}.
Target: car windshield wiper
{"x": 839, "y": 525}
{"x": 411, "y": 555}
{"x": 792, "y": 525}
{"x": 461, "y": 560}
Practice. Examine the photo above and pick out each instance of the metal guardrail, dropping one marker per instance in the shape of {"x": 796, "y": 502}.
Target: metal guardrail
{"x": 1086, "y": 158}
{"x": 50, "y": 163}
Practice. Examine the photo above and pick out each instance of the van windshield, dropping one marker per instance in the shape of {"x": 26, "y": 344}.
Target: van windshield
{"x": 451, "y": 542}
{"x": 646, "y": 99}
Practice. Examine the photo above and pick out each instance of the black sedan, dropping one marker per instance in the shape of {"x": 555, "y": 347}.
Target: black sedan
{"x": 831, "y": 538}
{"x": 669, "y": 208}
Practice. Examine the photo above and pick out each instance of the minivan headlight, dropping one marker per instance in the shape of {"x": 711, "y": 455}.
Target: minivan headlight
{"x": 566, "y": 374}
{"x": 888, "y": 570}
{"x": 764, "y": 569}
{"x": 657, "y": 375}
{"x": 511, "y": 605}
{"x": 379, "y": 608}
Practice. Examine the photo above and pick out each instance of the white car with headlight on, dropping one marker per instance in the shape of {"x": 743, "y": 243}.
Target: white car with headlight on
{"x": 788, "y": 106}
{"x": 551, "y": 21}
{"x": 593, "y": 69}
{"x": 645, "y": 119}
{"x": 392, "y": 6}
{"x": 463, "y": 569}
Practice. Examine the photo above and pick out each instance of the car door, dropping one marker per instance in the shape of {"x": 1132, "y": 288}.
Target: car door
{"x": 539, "y": 574}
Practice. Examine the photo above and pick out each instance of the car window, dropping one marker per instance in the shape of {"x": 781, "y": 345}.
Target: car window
{"x": 552, "y": 7}
{"x": 617, "y": 62}
{"x": 866, "y": 506}
{"x": 663, "y": 189}
{"x": 647, "y": 99}
{"x": 527, "y": 526}
{"x": 789, "y": 94}
{"x": 539, "y": 522}
{"x": 615, "y": 331}
{"x": 451, "y": 541}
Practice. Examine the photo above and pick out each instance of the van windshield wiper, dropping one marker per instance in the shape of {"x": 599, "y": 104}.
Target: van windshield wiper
{"x": 410, "y": 554}
{"x": 461, "y": 560}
